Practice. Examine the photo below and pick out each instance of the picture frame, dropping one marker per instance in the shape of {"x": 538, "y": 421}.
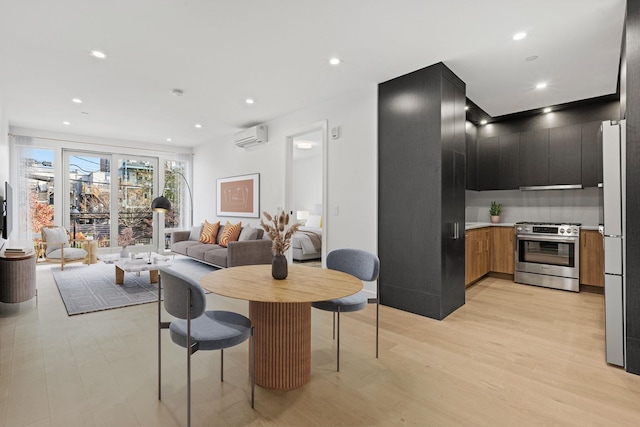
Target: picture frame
{"x": 239, "y": 196}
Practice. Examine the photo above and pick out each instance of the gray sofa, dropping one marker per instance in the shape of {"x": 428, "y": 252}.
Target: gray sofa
{"x": 250, "y": 248}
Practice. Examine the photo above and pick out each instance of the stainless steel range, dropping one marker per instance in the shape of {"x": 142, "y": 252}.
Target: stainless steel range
{"x": 548, "y": 255}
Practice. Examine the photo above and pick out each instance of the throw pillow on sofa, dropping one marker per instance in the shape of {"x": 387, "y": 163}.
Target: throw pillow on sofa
{"x": 209, "y": 232}
{"x": 230, "y": 233}
{"x": 248, "y": 233}
{"x": 196, "y": 232}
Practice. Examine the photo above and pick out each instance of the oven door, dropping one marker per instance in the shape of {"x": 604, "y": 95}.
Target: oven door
{"x": 551, "y": 255}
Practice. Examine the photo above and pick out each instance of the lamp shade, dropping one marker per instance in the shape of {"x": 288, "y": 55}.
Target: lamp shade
{"x": 161, "y": 204}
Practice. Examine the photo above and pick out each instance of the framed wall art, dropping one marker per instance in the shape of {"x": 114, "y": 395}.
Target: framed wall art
{"x": 239, "y": 196}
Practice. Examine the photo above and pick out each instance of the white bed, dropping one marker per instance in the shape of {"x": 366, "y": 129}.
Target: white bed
{"x": 306, "y": 243}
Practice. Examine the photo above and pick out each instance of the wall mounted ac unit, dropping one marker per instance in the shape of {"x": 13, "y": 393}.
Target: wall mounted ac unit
{"x": 252, "y": 136}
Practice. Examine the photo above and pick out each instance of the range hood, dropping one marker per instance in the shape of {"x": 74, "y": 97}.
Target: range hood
{"x": 552, "y": 187}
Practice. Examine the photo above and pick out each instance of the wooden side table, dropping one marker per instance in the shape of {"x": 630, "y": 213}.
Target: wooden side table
{"x": 17, "y": 278}
{"x": 91, "y": 246}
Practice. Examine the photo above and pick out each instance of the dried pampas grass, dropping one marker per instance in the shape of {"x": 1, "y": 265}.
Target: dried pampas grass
{"x": 278, "y": 232}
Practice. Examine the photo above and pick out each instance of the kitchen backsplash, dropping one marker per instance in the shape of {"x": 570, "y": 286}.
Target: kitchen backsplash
{"x": 583, "y": 206}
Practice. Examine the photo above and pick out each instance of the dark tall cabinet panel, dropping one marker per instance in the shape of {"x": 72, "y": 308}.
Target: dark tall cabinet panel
{"x": 591, "y": 154}
{"x": 534, "y": 157}
{"x": 422, "y": 150}
{"x": 472, "y": 162}
{"x": 565, "y": 155}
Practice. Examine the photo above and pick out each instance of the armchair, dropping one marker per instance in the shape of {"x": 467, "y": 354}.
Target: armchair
{"x": 55, "y": 241}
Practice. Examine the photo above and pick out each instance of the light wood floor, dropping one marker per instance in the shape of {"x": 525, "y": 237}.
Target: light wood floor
{"x": 514, "y": 355}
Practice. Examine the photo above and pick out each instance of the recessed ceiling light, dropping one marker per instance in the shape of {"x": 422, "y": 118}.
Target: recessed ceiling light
{"x": 519, "y": 36}
{"x": 334, "y": 61}
{"x": 249, "y": 101}
{"x": 84, "y": 112}
{"x": 531, "y": 58}
{"x": 66, "y": 123}
{"x": 304, "y": 145}
{"x": 466, "y": 108}
{"x": 198, "y": 125}
{"x": 541, "y": 85}
{"x": 483, "y": 122}
{"x": 77, "y": 100}
{"x": 98, "y": 54}
{"x": 547, "y": 110}
{"x": 177, "y": 92}
{"x": 169, "y": 140}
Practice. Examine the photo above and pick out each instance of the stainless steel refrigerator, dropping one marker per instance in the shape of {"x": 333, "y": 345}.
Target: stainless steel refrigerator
{"x": 613, "y": 176}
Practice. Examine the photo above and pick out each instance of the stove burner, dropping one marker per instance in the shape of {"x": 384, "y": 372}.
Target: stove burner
{"x": 572, "y": 224}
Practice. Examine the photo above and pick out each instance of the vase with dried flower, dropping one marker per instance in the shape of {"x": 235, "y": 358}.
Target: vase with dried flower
{"x": 280, "y": 233}
{"x": 125, "y": 239}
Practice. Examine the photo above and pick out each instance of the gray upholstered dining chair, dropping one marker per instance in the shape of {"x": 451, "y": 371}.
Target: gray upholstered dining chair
{"x": 197, "y": 329}
{"x": 363, "y": 265}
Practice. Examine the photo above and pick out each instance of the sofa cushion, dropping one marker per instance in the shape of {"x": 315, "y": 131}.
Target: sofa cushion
{"x": 195, "y": 233}
{"x": 230, "y": 233}
{"x": 198, "y": 251}
{"x": 216, "y": 257}
{"x": 209, "y": 232}
{"x": 181, "y": 247}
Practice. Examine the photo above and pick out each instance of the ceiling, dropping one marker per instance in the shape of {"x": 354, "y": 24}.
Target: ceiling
{"x": 221, "y": 52}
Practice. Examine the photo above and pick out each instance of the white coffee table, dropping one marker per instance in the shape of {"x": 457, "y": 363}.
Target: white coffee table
{"x": 148, "y": 263}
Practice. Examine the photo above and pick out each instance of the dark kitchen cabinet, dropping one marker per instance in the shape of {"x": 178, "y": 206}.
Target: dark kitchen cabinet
{"x": 509, "y": 162}
{"x": 421, "y": 191}
{"x": 489, "y": 163}
{"x": 534, "y": 157}
{"x": 472, "y": 162}
{"x": 565, "y": 155}
{"x": 591, "y": 154}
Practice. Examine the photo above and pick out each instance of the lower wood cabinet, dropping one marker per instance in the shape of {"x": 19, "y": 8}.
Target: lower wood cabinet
{"x": 502, "y": 249}
{"x": 591, "y": 258}
{"x": 477, "y": 256}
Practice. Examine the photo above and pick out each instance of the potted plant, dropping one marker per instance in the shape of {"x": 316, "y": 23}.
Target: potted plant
{"x": 495, "y": 210}
{"x": 280, "y": 233}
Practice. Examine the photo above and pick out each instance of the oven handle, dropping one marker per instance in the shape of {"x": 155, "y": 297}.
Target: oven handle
{"x": 548, "y": 238}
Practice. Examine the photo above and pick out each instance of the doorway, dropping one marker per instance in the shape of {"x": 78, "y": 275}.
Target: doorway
{"x": 306, "y": 192}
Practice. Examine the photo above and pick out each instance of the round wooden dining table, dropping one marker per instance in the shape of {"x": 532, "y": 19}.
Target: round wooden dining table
{"x": 280, "y": 311}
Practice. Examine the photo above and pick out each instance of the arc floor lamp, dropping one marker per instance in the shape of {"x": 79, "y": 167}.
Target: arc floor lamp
{"x": 162, "y": 204}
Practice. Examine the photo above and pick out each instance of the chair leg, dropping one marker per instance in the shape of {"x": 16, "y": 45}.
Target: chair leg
{"x": 159, "y": 342}
{"x": 338, "y": 352}
{"x": 189, "y": 351}
{"x": 334, "y": 325}
{"x": 377, "y": 313}
{"x": 221, "y": 364}
{"x": 253, "y": 366}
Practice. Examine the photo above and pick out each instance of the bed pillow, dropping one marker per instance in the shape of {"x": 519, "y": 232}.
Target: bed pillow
{"x": 209, "y": 232}
{"x": 230, "y": 233}
{"x": 196, "y": 232}
{"x": 314, "y": 221}
{"x": 248, "y": 233}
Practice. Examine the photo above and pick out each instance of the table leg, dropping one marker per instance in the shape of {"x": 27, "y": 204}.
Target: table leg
{"x": 119, "y": 276}
{"x": 283, "y": 344}
{"x": 153, "y": 276}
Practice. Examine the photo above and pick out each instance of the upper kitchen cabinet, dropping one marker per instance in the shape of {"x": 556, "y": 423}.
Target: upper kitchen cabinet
{"x": 489, "y": 163}
{"x": 591, "y": 154}
{"x": 534, "y": 158}
{"x": 565, "y": 155}
{"x": 509, "y": 167}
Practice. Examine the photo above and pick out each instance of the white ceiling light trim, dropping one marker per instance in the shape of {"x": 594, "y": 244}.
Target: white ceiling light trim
{"x": 303, "y": 145}
{"x": 198, "y": 126}
{"x": 541, "y": 85}
{"x": 77, "y": 100}
{"x": 250, "y": 101}
{"x": 66, "y": 123}
{"x": 335, "y": 61}
{"x": 519, "y": 36}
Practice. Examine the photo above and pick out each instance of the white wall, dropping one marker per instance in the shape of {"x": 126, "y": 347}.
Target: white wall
{"x": 582, "y": 206}
{"x": 307, "y": 191}
{"x": 352, "y": 168}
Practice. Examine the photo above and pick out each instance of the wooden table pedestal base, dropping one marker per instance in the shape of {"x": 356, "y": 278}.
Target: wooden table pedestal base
{"x": 283, "y": 344}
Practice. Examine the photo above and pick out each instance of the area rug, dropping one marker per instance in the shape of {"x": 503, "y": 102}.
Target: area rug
{"x": 85, "y": 289}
